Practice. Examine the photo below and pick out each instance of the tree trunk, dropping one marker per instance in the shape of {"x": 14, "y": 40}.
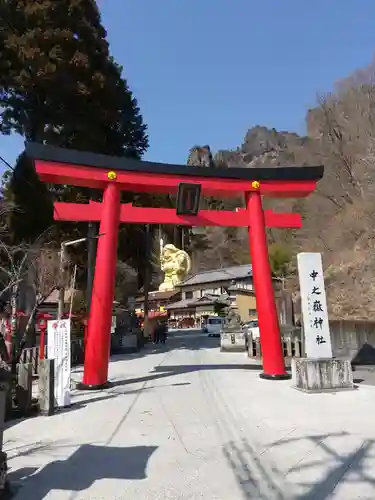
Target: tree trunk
{"x": 11, "y": 335}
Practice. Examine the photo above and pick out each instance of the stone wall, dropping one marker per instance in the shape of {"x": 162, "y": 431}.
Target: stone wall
{"x": 348, "y": 337}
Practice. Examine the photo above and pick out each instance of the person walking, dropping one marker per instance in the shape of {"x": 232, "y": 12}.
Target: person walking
{"x": 157, "y": 333}
{"x": 163, "y": 332}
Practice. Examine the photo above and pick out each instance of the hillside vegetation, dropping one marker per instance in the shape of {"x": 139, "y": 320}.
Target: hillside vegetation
{"x": 338, "y": 218}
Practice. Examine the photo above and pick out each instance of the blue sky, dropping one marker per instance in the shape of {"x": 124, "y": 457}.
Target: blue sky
{"x": 205, "y": 71}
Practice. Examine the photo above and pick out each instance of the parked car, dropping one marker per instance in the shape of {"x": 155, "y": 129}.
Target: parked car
{"x": 252, "y": 328}
{"x": 213, "y": 326}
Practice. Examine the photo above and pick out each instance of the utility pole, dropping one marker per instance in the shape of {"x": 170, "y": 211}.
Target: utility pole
{"x": 91, "y": 256}
{"x": 147, "y": 279}
{"x": 92, "y": 230}
{"x": 61, "y": 302}
{"x": 64, "y": 244}
{"x": 176, "y": 236}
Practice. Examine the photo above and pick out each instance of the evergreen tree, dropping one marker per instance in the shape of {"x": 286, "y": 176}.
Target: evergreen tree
{"x": 34, "y": 212}
{"x": 280, "y": 258}
{"x": 58, "y": 82}
{"x": 59, "y": 85}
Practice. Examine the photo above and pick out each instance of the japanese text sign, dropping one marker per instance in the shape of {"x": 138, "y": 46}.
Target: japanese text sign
{"x": 58, "y": 348}
{"x": 314, "y": 306}
{"x": 188, "y": 198}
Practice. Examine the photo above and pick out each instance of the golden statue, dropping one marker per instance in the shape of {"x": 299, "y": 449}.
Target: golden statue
{"x": 175, "y": 265}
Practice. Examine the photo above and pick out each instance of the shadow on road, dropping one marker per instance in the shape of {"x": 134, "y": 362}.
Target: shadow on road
{"x": 260, "y": 477}
{"x": 164, "y": 371}
{"x": 253, "y": 474}
{"x": 337, "y": 466}
{"x": 192, "y": 340}
{"x": 89, "y": 463}
{"x": 253, "y": 477}
{"x": 188, "y": 342}
{"x": 76, "y": 405}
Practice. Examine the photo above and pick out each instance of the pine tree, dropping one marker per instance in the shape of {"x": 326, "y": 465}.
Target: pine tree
{"x": 58, "y": 82}
{"x": 34, "y": 213}
{"x": 59, "y": 85}
{"x": 280, "y": 258}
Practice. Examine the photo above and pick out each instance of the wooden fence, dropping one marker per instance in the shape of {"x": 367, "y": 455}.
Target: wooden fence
{"x": 119, "y": 343}
{"x": 31, "y": 355}
{"x": 347, "y": 338}
{"x": 292, "y": 347}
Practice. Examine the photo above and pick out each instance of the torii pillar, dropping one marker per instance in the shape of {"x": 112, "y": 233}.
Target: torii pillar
{"x": 100, "y": 318}
{"x": 112, "y": 174}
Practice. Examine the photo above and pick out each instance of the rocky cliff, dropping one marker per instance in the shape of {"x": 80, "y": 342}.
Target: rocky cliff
{"x": 337, "y": 218}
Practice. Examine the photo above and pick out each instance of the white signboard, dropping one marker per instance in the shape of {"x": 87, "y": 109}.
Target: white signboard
{"x": 58, "y": 348}
{"x": 314, "y": 306}
{"x": 113, "y": 324}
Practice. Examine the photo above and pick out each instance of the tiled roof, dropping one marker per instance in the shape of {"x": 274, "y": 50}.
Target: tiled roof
{"x": 157, "y": 295}
{"x": 53, "y": 298}
{"x": 181, "y": 304}
{"x": 203, "y": 301}
{"x": 224, "y": 274}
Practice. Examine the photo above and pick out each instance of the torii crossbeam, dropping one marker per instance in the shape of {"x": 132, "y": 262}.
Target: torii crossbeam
{"x": 114, "y": 174}
{"x": 141, "y": 215}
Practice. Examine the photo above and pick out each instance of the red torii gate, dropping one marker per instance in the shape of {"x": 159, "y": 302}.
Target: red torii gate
{"x": 115, "y": 174}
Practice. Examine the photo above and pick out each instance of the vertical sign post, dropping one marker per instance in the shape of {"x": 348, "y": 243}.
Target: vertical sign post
{"x": 314, "y": 306}
{"x": 58, "y": 348}
{"x": 113, "y": 324}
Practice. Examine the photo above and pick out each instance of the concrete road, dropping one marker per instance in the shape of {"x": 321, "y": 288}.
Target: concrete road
{"x": 186, "y": 422}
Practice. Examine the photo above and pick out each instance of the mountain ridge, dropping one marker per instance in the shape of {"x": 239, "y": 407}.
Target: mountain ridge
{"x": 334, "y": 219}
